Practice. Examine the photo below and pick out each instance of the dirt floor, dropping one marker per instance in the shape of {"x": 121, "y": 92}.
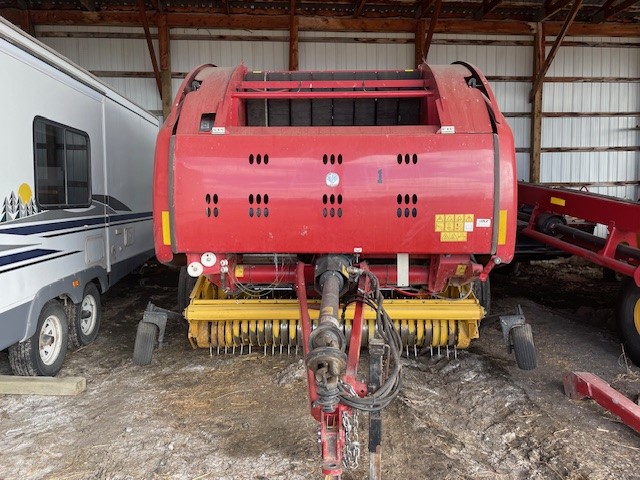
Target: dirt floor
{"x": 193, "y": 416}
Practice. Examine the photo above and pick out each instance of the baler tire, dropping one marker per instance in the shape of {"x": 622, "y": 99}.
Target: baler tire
{"x": 523, "y": 347}
{"x": 30, "y": 358}
{"x": 146, "y": 337}
{"x": 185, "y": 285}
{"x": 482, "y": 291}
{"x": 628, "y": 319}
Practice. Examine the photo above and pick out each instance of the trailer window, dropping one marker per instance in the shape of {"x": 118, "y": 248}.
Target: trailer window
{"x": 62, "y": 165}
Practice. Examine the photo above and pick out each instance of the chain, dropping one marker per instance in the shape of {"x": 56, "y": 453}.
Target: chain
{"x": 351, "y": 455}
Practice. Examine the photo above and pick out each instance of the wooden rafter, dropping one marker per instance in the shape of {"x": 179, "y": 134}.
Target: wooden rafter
{"x": 359, "y": 6}
{"x": 487, "y": 7}
{"x": 88, "y": 5}
{"x": 554, "y": 49}
{"x": 422, "y": 7}
{"x": 152, "y": 53}
{"x": 610, "y": 8}
{"x": 432, "y": 27}
{"x": 551, "y": 8}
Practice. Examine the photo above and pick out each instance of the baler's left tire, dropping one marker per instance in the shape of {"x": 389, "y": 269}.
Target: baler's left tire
{"x": 523, "y": 347}
{"x": 145, "y": 343}
{"x": 628, "y": 317}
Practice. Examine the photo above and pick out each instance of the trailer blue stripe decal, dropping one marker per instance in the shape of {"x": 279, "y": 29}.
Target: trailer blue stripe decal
{"x": 22, "y": 256}
{"x": 52, "y": 227}
{"x": 40, "y": 261}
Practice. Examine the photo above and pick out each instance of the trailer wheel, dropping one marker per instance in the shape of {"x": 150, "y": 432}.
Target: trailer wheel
{"x": 43, "y": 353}
{"x": 629, "y": 319}
{"x": 185, "y": 285}
{"x": 145, "y": 343}
{"x": 523, "y": 347}
{"x": 84, "y": 318}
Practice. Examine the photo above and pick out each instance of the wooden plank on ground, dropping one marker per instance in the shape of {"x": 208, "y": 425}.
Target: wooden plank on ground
{"x": 15, "y": 385}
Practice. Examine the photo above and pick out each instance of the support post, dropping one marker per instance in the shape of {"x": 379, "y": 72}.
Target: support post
{"x": 26, "y": 24}
{"x": 152, "y": 53}
{"x": 166, "y": 92}
{"x": 420, "y": 34}
{"x": 536, "y": 108}
{"x": 432, "y": 27}
{"x": 293, "y": 43}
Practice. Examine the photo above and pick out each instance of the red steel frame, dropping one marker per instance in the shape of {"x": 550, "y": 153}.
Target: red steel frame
{"x": 579, "y": 385}
{"x": 621, "y": 217}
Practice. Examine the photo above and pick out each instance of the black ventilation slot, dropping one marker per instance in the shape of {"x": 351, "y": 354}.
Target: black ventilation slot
{"x": 332, "y": 159}
{"x": 407, "y": 158}
{"x": 404, "y": 201}
{"x": 212, "y": 202}
{"x": 259, "y": 159}
{"x": 260, "y": 200}
{"x": 330, "y": 200}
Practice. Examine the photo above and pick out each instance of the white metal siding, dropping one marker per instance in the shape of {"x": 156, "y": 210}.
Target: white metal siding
{"x": 317, "y": 51}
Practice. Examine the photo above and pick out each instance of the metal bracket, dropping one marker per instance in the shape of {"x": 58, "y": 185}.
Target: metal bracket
{"x": 158, "y": 316}
{"x": 508, "y": 322}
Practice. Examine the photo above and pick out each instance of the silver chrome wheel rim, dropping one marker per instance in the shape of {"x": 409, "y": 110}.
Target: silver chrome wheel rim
{"x": 88, "y": 315}
{"x": 50, "y": 341}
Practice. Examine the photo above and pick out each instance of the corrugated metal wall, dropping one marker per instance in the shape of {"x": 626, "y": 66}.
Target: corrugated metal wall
{"x": 571, "y": 144}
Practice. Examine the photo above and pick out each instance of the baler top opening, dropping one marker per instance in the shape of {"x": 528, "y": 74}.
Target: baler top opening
{"x": 344, "y": 98}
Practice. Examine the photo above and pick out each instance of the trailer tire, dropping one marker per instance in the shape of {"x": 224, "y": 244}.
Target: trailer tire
{"x": 43, "y": 353}
{"x": 84, "y": 318}
{"x": 523, "y": 347}
{"x": 145, "y": 343}
{"x": 628, "y": 319}
{"x": 185, "y": 285}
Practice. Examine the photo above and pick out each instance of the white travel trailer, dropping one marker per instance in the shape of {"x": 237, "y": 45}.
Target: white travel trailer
{"x": 75, "y": 200}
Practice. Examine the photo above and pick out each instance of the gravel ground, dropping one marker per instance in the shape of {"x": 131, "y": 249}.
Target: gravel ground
{"x": 190, "y": 415}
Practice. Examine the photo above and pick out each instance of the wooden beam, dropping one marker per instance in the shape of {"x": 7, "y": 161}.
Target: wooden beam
{"x": 332, "y": 24}
{"x": 421, "y": 32}
{"x": 487, "y": 7}
{"x": 536, "y": 108}
{"x": 152, "y": 53}
{"x": 88, "y": 5}
{"x": 554, "y": 49}
{"x": 292, "y": 7}
{"x": 166, "y": 92}
{"x": 26, "y": 24}
{"x": 293, "y": 43}
{"x": 225, "y": 4}
{"x": 422, "y": 7}
{"x": 10, "y": 385}
{"x": 359, "y": 6}
{"x": 549, "y": 9}
{"x": 432, "y": 27}
{"x": 608, "y": 10}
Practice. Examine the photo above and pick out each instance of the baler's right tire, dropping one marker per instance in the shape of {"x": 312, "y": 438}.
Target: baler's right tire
{"x": 185, "y": 285}
{"x": 145, "y": 343}
{"x": 628, "y": 318}
{"x": 482, "y": 291}
{"x": 523, "y": 347}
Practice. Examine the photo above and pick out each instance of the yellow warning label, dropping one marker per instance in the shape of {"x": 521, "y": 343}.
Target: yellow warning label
{"x": 453, "y": 236}
{"x": 557, "y": 201}
{"x": 453, "y": 224}
{"x": 460, "y": 270}
{"x": 239, "y": 271}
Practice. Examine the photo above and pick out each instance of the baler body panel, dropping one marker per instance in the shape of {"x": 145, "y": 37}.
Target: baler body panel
{"x": 379, "y": 205}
